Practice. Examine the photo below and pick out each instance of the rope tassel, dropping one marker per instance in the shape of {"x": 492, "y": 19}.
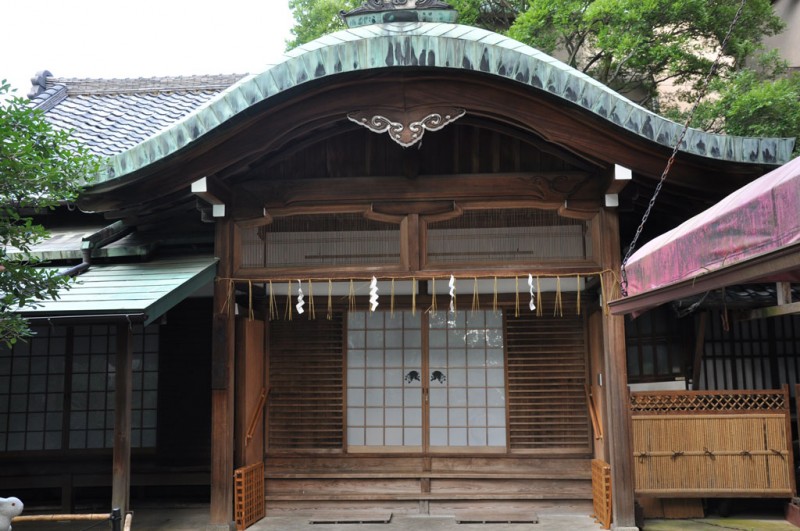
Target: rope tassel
{"x": 273, "y": 305}
{"x": 351, "y": 296}
{"x": 559, "y": 309}
{"x": 289, "y": 301}
{"x": 476, "y": 300}
{"x": 312, "y": 314}
{"x": 330, "y": 300}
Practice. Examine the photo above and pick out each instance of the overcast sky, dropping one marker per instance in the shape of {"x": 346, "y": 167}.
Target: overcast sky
{"x": 141, "y": 38}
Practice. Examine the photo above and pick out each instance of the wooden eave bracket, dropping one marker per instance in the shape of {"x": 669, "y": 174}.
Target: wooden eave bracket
{"x": 213, "y": 192}
{"x": 622, "y": 176}
{"x": 785, "y": 305}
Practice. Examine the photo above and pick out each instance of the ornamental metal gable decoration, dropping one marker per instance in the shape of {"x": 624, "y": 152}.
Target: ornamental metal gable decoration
{"x": 387, "y": 11}
{"x": 406, "y": 126}
{"x": 383, "y": 5}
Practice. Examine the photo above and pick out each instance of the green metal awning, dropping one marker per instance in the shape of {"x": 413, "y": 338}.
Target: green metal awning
{"x": 145, "y": 290}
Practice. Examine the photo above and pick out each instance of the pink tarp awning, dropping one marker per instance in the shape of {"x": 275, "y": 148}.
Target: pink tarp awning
{"x": 756, "y": 220}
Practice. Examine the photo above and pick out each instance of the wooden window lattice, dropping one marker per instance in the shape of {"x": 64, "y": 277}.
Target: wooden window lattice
{"x": 320, "y": 240}
{"x": 306, "y": 382}
{"x": 506, "y": 236}
{"x": 601, "y": 492}
{"x": 707, "y": 402}
{"x": 546, "y": 359}
{"x": 249, "y": 495}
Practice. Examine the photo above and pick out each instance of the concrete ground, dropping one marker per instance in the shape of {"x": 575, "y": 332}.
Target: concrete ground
{"x": 195, "y": 518}
{"x": 738, "y": 523}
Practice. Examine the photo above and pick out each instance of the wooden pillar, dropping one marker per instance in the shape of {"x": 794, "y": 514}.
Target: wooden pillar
{"x": 121, "y": 468}
{"x": 222, "y": 373}
{"x": 250, "y": 392}
{"x": 618, "y": 419}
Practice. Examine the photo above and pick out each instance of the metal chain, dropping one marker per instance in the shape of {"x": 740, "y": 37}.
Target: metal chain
{"x": 671, "y": 161}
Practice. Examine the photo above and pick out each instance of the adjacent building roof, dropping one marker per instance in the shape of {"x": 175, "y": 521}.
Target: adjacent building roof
{"x": 751, "y": 235}
{"x": 111, "y": 116}
{"x": 139, "y": 291}
{"x": 143, "y": 135}
{"x": 65, "y": 243}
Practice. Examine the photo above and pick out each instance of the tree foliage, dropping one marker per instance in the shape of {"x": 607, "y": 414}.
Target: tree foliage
{"x": 39, "y": 168}
{"x": 315, "y": 18}
{"x": 764, "y": 101}
{"x": 636, "y": 46}
{"x": 643, "y": 49}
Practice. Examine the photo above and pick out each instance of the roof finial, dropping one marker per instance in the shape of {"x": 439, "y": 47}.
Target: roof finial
{"x": 385, "y": 11}
{"x": 39, "y": 83}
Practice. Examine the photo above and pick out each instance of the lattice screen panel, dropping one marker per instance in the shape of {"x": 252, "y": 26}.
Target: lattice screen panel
{"x": 248, "y": 485}
{"x": 320, "y": 240}
{"x": 546, "y": 378}
{"x": 601, "y": 492}
{"x": 305, "y": 378}
{"x": 511, "y": 235}
{"x": 707, "y": 401}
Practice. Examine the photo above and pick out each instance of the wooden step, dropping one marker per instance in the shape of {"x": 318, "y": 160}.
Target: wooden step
{"x": 442, "y": 507}
{"x": 420, "y": 496}
{"x": 401, "y": 474}
{"x": 569, "y": 488}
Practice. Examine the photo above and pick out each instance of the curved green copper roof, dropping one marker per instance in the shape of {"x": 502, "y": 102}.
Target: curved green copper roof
{"x": 415, "y": 44}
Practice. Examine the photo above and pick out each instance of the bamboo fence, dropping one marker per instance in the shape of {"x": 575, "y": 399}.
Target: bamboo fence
{"x": 690, "y": 444}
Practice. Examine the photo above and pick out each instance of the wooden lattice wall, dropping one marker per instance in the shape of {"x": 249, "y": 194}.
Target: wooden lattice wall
{"x": 249, "y": 495}
{"x": 601, "y": 492}
{"x": 712, "y": 444}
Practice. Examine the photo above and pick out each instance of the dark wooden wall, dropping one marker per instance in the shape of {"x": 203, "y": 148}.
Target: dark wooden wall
{"x": 184, "y": 413}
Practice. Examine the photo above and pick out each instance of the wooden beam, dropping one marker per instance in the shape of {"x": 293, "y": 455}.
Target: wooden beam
{"x": 121, "y": 480}
{"x": 699, "y": 343}
{"x": 213, "y": 192}
{"x": 783, "y": 292}
{"x": 618, "y": 420}
{"x": 553, "y": 187}
{"x": 222, "y": 399}
{"x": 620, "y": 179}
{"x": 584, "y": 210}
{"x": 771, "y": 311}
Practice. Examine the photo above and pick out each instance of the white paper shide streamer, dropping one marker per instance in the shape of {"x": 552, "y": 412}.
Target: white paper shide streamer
{"x": 531, "y": 304}
{"x": 300, "y": 301}
{"x": 452, "y": 285}
{"x": 373, "y": 294}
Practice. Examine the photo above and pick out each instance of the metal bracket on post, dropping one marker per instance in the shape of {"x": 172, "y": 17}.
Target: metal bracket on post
{"x": 116, "y": 519}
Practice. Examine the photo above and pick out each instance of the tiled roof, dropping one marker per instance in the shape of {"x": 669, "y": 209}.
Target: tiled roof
{"x": 112, "y": 115}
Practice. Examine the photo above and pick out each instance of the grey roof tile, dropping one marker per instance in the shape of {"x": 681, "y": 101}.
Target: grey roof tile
{"x": 111, "y": 116}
